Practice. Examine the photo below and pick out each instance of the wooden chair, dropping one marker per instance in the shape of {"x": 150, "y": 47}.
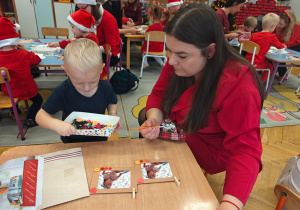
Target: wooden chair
{"x": 286, "y": 198}
{"x": 10, "y": 101}
{"x": 48, "y": 31}
{"x": 252, "y": 47}
{"x": 108, "y": 56}
{"x": 154, "y": 36}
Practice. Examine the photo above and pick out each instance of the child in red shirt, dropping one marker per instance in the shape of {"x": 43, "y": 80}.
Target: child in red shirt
{"x": 16, "y": 58}
{"x": 265, "y": 39}
{"x": 165, "y": 17}
{"x": 83, "y": 26}
{"x": 155, "y": 14}
{"x": 249, "y": 25}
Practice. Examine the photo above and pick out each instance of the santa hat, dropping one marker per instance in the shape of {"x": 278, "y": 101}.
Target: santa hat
{"x": 174, "y": 3}
{"x": 83, "y": 20}
{"x": 88, "y": 2}
{"x": 8, "y": 32}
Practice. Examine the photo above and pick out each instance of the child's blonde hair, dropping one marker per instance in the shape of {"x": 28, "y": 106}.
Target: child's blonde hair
{"x": 84, "y": 54}
{"x": 269, "y": 20}
{"x": 250, "y": 21}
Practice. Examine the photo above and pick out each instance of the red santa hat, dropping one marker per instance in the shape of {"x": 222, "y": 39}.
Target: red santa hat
{"x": 88, "y": 2}
{"x": 174, "y": 3}
{"x": 8, "y": 32}
{"x": 83, "y": 20}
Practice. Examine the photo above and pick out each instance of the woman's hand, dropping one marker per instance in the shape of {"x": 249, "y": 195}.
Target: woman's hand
{"x": 150, "y": 133}
{"x": 133, "y": 31}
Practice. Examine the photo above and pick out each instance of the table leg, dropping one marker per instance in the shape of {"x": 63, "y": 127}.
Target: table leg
{"x": 275, "y": 68}
{"x": 128, "y": 54}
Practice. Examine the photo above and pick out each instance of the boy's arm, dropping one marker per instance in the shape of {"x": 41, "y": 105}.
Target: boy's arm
{"x": 45, "y": 120}
{"x": 112, "y": 110}
{"x": 277, "y": 43}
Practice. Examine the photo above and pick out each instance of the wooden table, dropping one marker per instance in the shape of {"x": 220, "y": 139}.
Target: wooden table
{"x": 49, "y": 61}
{"x": 130, "y": 38}
{"x": 281, "y": 58}
{"x": 194, "y": 192}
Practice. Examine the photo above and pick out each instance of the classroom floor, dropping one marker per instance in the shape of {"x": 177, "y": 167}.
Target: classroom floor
{"x": 279, "y": 144}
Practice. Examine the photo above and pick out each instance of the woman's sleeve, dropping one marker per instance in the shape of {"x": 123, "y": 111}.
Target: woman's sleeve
{"x": 157, "y": 94}
{"x": 109, "y": 30}
{"x": 295, "y": 37}
{"x": 139, "y": 15}
{"x": 239, "y": 116}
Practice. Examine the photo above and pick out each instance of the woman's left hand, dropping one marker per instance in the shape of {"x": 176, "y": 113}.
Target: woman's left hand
{"x": 150, "y": 133}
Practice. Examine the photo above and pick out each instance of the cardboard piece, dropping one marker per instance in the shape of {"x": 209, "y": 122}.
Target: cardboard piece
{"x": 64, "y": 177}
{"x": 123, "y": 180}
{"x": 26, "y": 41}
{"x": 110, "y": 121}
{"x": 165, "y": 171}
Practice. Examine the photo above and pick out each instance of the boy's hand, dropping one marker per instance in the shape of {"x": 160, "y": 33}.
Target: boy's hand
{"x": 21, "y": 47}
{"x": 64, "y": 128}
{"x": 284, "y": 46}
{"x": 150, "y": 133}
{"x": 54, "y": 44}
{"x": 118, "y": 127}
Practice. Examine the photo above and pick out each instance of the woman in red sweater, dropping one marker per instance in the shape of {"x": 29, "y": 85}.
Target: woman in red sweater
{"x": 155, "y": 14}
{"x": 213, "y": 97}
{"x": 107, "y": 28}
{"x": 288, "y": 32}
{"x": 133, "y": 10}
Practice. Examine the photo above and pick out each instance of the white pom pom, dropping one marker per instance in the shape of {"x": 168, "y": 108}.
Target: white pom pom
{"x": 17, "y": 27}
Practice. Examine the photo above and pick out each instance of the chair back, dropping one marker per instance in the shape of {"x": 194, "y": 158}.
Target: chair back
{"x": 5, "y": 75}
{"x": 250, "y": 47}
{"x": 156, "y": 36}
{"x": 291, "y": 201}
{"x": 49, "y": 31}
{"x": 108, "y": 56}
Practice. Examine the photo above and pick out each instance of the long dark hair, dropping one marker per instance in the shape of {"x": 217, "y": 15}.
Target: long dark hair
{"x": 230, "y": 3}
{"x": 198, "y": 24}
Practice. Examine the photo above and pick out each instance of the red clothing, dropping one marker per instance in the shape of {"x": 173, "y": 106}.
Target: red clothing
{"x": 294, "y": 39}
{"x": 164, "y": 24}
{"x": 154, "y": 46}
{"x": 265, "y": 40}
{"x": 224, "y": 20}
{"x": 18, "y": 63}
{"x": 231, "y": 141}
{"x": 124, "y": 20}
{"x": 91, "y": 36}
{"x": 136, "y": 15}
{"x": 245, "y": 35}
{"x": 108, "y": 32}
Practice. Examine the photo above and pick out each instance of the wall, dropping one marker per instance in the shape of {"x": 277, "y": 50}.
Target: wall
{"x": 295, "y": 7}
{"x": 261, "y": 7}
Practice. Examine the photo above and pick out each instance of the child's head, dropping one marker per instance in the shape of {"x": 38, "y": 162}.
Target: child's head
{"x": 165, "y": 16}
{"x": 250, "y": 23}
{"x": 82, "y": 22}
{"x": 8, "y": 33}
{"x": 270, "y": 21}
{"x": 155, "y": 12}
{"x": 151, "y": 174}
{"x": 83, "y": 64}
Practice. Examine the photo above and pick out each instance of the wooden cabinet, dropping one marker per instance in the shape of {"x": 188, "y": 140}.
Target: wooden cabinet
{"x": 32, "y": 15}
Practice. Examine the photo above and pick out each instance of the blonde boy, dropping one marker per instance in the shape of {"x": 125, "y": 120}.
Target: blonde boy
{"x": 83, "y": 91}
{"x": 265, "y": 39}
{"x": 249, "y": 25}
